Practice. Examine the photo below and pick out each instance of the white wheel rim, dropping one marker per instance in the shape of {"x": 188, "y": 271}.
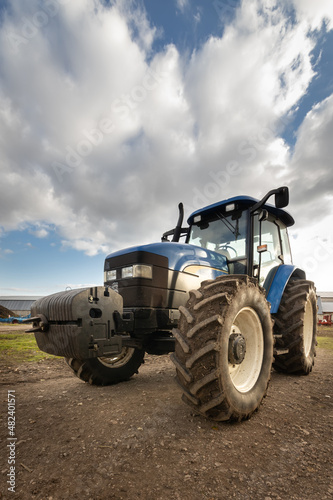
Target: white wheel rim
{"x": 308, "y": 328}
{"x": 245, "y": 375}
{"x": 119, "y": 360}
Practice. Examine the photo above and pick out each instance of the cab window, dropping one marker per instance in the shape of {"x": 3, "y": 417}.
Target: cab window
{"x": 270, "y": 236}
{"x": 287, "y": 258}
{"x": 225, "y": 235}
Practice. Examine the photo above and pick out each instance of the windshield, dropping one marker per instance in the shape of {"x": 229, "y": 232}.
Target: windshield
{"x": 224, "y": 234}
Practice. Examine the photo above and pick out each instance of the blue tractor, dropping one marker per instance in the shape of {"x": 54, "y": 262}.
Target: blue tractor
{"x": 227, "y": 302}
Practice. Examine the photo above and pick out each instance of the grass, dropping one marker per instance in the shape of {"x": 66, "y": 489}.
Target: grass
{"x": 18, "y": 347}
{"x": 325, "y": 331}
{"x": 325, "y": 343}
{"x": 21, "y": 348}
{"x": 325, "y": 337}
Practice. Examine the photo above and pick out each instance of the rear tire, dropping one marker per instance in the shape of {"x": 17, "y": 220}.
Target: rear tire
{"x": 108, "y": 370}
{"x": 224, "y": 348}
{"x": 296, "y": 328}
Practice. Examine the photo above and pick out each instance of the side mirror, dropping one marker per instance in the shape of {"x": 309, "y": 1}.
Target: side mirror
{"x": 282, "y": 197}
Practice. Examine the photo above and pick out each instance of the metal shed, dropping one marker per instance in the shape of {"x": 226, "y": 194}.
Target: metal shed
{"x": 325, "y": 304}
{"x": 20, "y": 305}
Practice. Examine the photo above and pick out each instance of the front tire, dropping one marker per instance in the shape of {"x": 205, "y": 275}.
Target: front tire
{"x": 108, "y": 370}
{"x": 296, "y": 328}
{"x": 224, "y": 348}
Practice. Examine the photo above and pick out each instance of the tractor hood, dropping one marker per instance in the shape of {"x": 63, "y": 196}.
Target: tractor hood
{"x": 180, "y": 256}
{"x": 160, "y": 275}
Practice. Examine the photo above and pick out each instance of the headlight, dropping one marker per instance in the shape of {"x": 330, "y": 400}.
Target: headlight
{"x": 137, "y": 271}
{"x": 110, "y": 275}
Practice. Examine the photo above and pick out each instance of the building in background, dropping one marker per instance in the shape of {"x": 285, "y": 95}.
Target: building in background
{"x": 19, "y": 305}
{"x": 325, "y": 306}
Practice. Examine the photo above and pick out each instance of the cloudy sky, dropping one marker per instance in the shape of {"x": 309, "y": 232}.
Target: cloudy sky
{"x": 112, "y": 112}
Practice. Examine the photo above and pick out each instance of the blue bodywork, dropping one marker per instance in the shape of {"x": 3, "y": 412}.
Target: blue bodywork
{"x": 243, "y": 202}
{"x": 278, "y": 285}
{"x": 180, "y": 255}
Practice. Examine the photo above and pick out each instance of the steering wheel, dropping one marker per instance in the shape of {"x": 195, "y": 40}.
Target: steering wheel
{"x": 227, "y": 248}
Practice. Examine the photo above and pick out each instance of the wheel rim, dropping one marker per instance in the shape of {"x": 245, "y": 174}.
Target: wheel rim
{"x": 245, "y": 374}
{"x": 119, "y": 360}
{"x": 308, "y": 328}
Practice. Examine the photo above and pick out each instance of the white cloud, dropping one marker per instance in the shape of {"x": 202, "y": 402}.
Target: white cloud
{"x": 102, "y": 138}
{"x": 13, "y": 291}
{"x": 5, "y": 252}
{"x": 182, "y": 5}
{"x": 311, "y": 175}
{"x": 40, "y": 233}
{"x": 91, "y": 246}
{"x": 315, "y": 12}
{"x": 310, "y": 178}
{"x": 254, "y": 74}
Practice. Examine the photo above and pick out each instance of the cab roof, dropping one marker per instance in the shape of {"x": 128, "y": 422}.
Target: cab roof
{"x": 242, "y": 203}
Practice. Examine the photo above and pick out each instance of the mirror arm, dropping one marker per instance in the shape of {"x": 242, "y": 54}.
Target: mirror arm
{"x": 262, "y": 202}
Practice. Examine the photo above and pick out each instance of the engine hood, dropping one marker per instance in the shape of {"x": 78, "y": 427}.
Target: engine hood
{"x": 179, "y": 255}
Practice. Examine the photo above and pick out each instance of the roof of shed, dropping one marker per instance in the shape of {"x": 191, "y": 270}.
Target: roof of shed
{"x": 22, "y": 303}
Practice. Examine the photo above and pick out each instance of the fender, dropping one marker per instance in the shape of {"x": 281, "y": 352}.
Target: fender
{"x": 279, "y": 282}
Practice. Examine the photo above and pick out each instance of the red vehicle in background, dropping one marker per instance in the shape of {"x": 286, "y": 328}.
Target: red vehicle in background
{"x": 326, "y": 321}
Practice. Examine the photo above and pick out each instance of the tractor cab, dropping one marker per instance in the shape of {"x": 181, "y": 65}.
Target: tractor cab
{"x": 252, "y": 235}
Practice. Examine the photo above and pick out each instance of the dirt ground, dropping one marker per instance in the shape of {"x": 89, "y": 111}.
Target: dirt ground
{"x": 139, "y": 440}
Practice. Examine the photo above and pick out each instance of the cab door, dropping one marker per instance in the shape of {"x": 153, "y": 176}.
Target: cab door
{"x": 267, "y": 248}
